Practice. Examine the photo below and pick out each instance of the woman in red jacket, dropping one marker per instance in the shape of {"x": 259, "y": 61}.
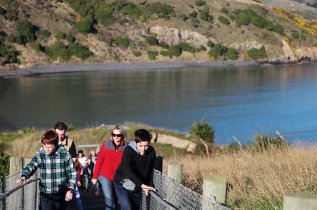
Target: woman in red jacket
{"x": 109, "y": 158}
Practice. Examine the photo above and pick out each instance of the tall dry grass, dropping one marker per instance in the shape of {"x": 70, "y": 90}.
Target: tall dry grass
{"x": 256, "y": 180}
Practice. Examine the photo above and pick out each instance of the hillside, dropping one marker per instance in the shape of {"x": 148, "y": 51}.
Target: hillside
{"x": 44, "y": 32}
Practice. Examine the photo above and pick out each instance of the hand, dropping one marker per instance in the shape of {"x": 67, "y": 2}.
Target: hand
{"x": 94, "y": 181}
{"x": 22, "y": 179}
{"x": 146, "y": 189}
{"x": 69, "y": 196}
{"x": 79, "y": 183}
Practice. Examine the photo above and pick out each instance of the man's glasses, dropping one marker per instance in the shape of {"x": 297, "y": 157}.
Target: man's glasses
{"x": 116, "y": 135}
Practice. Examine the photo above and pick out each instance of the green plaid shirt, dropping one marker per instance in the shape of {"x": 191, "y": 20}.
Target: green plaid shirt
{"x": 58, "y": 172}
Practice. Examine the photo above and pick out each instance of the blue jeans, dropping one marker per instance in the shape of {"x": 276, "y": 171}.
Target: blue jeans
{"x": 128, "y": 200}
{"x": 108, "y": 191}
{"x": 53, "y": 201}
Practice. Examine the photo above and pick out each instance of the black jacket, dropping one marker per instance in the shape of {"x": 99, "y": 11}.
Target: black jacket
{"x": 136, "y": 167}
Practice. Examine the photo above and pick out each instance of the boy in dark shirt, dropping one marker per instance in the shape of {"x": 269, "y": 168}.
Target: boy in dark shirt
{"x": 136, "y": 166}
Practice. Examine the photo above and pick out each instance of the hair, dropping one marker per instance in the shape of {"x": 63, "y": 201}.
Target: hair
{"x": 142, "y": 135}
{"x": 60, "y": 126}
{"x": 50, "y": 137}
{"x": 121, "y": 129}
{"x": 82, "y": 152}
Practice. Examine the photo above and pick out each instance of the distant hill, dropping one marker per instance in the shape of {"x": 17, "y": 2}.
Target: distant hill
{"x": 42, "y": 32}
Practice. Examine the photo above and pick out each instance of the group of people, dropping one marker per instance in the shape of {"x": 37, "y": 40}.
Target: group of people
{"x": 123, "y": 169}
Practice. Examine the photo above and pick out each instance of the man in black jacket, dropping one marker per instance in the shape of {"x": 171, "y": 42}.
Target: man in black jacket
{"x": 135, "y": 171}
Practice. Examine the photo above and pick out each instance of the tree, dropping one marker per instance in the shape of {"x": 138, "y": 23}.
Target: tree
{"x": 204, "y": 132}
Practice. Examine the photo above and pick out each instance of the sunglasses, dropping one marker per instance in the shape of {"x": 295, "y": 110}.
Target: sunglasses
{"x": 116, "y": 135}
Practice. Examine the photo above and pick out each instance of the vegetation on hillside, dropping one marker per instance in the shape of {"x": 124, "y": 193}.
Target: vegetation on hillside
{"x": 105, "y": 31}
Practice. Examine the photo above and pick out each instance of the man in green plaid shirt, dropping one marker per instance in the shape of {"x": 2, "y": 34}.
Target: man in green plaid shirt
{"x": 58, "y": 173}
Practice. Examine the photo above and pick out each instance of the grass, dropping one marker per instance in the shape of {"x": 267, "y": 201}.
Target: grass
{"x": 257, "y": 180}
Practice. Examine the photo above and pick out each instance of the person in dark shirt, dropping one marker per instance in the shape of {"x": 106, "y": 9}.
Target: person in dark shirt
{"x": 88, "y": 173}
{"x": 136, "y": 167}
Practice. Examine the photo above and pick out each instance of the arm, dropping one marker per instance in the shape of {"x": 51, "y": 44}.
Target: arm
{"x": 99, "y": 163}
{"x": 71, "y": 172}
{"x": 72, "y": 152}
{"x": 30, "y": 169}
{"x": 127, "y": 160}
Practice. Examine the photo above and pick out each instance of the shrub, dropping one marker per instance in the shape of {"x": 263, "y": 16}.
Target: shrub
{"x": 224, "y": 20}
{"x": 184, "y": 46}
{"x": 163, "y": 10}
{"x": 264, "y": 35}
{"x": 84, "y": 27}
{"x": 80, "y": 50}
{"x": 132, "y": 10}
{"x": 256, "y": 54}
{"x": 44, "y": 33}
{"x": 2, "y": 11}
{"x": 121, "y": 41}
{"x": 70, "y": 38}
{"x": 202, "y": 48}
{"x": 164, "y": 52}
{"x": 136, "y": 53}
{"x": 216, "y": 51}
{"x": 232, "y": 54}
{"x": 203, "y": 16}
{"x": 4, "y": 165}
{"x": 224, "y": 10}
{"x": 152, "y": 54}
{"x": 242, "y": 19}
{"x": 50, "y": 52}
{"x": 9, "y": 54}
{"x": 182, "y": 17}
{"x": 295, "y": 35}
{"x": 174, "y": 50}
{"x": 200, "y": 3}
{"x": 104, "y": 12}
{"x": 278, "y": 29}
{"x": 203, "y": 131}
{"x": 195, "y": 22}
{"x": 151, "y": 40}
{"x": 266, "y": 142}
{"x": 210, "y": 44}
{"x": 163, "y": 45}
{"x": 193, "y": 14}
{"x": 60, "y": 34}
{"x": 37, "y": 46}
{"x": 27, "y": 30}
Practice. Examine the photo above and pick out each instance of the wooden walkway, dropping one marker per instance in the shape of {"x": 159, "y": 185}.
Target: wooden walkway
{"x": 90, "y": 201}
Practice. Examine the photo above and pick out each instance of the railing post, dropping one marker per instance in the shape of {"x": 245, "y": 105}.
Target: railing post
{"x": 158, "y": 163}
{"x": 15, "y": 164}
{"x": 294, "y": 201}
{"x": 175, "y": 171}
{"x": 215, "y": 187}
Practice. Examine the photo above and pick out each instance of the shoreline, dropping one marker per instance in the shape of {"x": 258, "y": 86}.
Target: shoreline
{"x": 127, "y": 66}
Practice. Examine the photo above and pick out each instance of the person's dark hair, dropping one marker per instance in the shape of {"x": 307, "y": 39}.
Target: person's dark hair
{"x": 82, "y": 152}
{"x": 60, "y": 126}
{"x": 50, "y": 137}
{"x": 142, "y": 135}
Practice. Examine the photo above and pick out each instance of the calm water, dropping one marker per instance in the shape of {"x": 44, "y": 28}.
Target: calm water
{"x": 236, "y": 101}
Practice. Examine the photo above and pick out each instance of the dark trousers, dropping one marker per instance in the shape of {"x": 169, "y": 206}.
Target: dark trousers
{"x": 53, "y": 201}
{"x": 128, "y": 200}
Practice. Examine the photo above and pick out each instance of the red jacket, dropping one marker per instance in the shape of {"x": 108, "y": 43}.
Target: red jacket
{"x": 108, "y": 160}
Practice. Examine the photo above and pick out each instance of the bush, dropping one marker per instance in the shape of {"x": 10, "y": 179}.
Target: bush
{"x": 203, "y": 131}
{"x": 202, "y": 48}
{"x": 59, "y": 34}
{"x": 224, "y": 10}
{"x": 278, "y": 29}
{"x": 136, "y": 53}
{"x": 4, "y": 165}
{"x": 132, "y": 10}
{"x": 195, "y": 22}
{"x": 84, "y": 27}
{"x": 232, "y": 54}
{"x": 104, "y": 12}
{"x": 224, "y": 20}
{"x": 256, "y": 54}
{"x": 121, "y": 41}
{"x": 44, "y": 33}
{"x": 184, "y": 46}
{"x": 163, "y": 10}
{"x": 163, "y": 45}
{"x": 203, "y": 16}
{"x": 193, "y": 14}
{"x": 70, "y": 38}
{"x": 19, "y": 39}
{"x": 266, "y": 142}
{"x": 9, "y": 54}
{"x": 295, "y": 35}
{"x": 242, "y": 19}
{"x": 27, "y": 30}
{"x": 37, "y": 47}
{"x": 182, "y": 17}
{"x": 151, "y": 40}
{"x": 210, "y": 44}
{"x": 80, "y": 50}
{"x": 164, "y": 52}
{"x": 200, "y": 3}
{"x": 174, "y": 50}
{"x": 2, "y": 11}
{"x": 217, "y": 50}
{"x": 152, "y": 54}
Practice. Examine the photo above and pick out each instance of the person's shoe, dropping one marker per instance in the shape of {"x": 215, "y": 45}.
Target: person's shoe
{"x": 97, "y": 193}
